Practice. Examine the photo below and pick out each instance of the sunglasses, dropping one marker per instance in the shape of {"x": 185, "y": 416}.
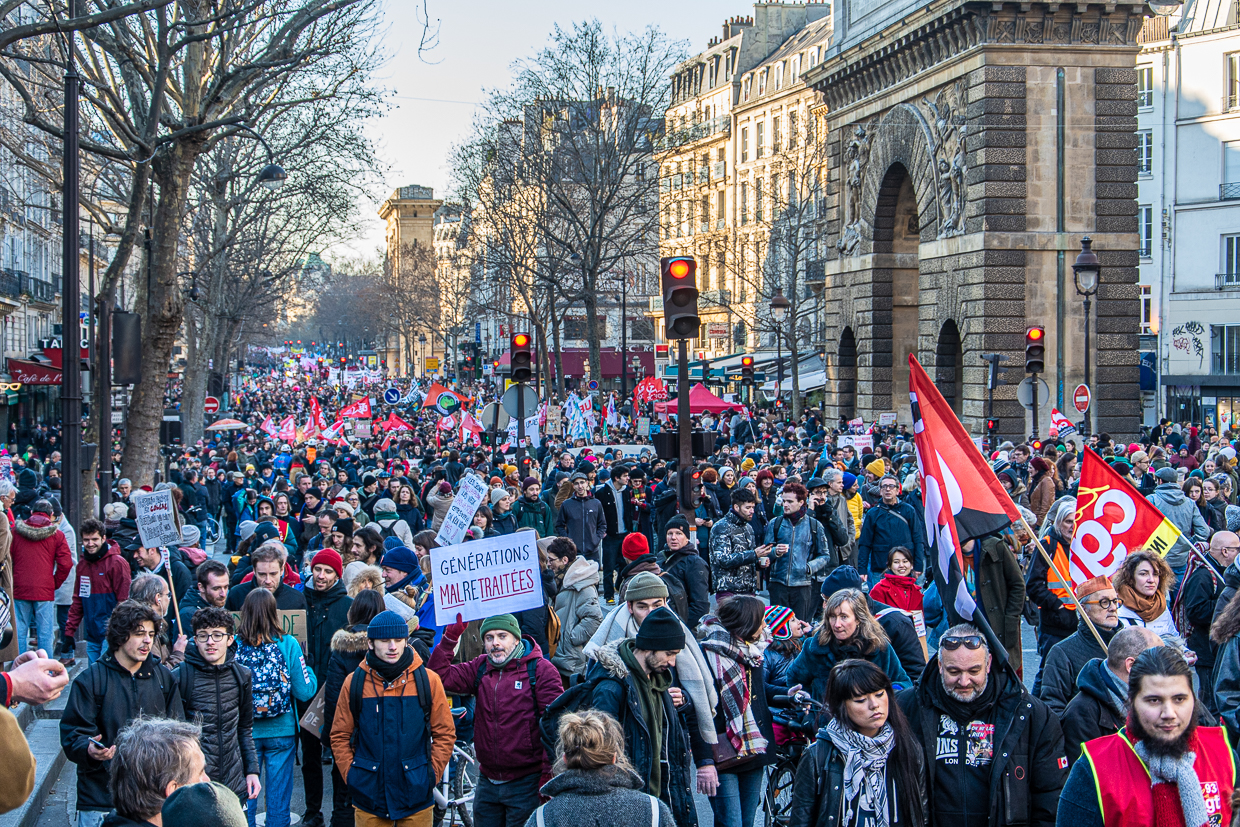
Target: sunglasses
{"x": 954, "y": 642}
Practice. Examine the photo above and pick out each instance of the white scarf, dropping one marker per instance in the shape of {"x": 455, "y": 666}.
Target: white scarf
{"x": 865, "y": 769}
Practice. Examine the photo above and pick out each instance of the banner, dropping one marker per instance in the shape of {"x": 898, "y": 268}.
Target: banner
{"x": 531, "y": 431}
{"x": 268, "y": 427}
{"x": 1061, "y": 425}
{"x": 1112, "y": 520}
{"x": 288, "y": 429}
{"x": 485, "y": 578}
{"x": 471, "y": 494}
{"x": 157, "y": 519}
{"x": 358, "y": 410}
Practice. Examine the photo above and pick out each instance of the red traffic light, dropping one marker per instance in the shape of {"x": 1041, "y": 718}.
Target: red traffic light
{"x": 746, "y": 361}
{"x": 680, "y": 268}
{"x": 992, "y": 424}
{"x": 1036, "y": 445}
{"x": 521, "y": 340}
{"x": 1035, "y": 334}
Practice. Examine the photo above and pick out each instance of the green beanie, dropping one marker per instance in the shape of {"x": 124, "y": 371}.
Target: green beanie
{"x": 644, "y": 586}
{"x": 501, "y": 623}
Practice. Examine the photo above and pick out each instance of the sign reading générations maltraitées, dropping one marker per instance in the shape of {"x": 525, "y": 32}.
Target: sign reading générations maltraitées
{"x": 484, "y": 578}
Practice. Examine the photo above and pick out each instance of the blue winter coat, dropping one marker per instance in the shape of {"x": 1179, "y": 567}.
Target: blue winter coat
{"x": 813, "y": 666}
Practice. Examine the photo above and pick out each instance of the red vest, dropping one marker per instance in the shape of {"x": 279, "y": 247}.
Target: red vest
{"x": 1123, "y": 782}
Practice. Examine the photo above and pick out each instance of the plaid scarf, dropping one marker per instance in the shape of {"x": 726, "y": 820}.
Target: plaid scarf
{"x": 728, "y": 663}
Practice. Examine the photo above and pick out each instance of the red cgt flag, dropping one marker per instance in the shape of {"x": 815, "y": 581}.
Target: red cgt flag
{"x": 963, "y": 498}
{"x": 1112, "y": 520}
{"x": 358, "y": 410}
{"x": 395, "y": 423}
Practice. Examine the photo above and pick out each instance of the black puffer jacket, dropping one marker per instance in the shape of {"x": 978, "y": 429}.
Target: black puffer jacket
{"x": 212, "y": 696}
{"x": 326, "y": 613}
{"x": 1200, "y": 594}
{"x": 1094, "y": 712}
{"x": 102, "y": 700}
{"x": 689, "y": 568}
{"x": 817, "y": 802}
{"x": 1065, "y": 661}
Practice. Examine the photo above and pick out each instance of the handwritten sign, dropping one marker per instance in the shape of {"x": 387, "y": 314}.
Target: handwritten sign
{"x": 157, "y": 519}
{"x": 292, "y": 623}
{"x": 312, "y": 721}
{"x": 487, "y": 577}
{"x": 643, "y": 426}
{"x": 6, "y": 469}
{"x": 886, "y": 419}
{"x": 472, "y": 493}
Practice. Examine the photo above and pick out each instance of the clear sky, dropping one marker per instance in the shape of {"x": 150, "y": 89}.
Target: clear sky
{"x": 478, "y": 42}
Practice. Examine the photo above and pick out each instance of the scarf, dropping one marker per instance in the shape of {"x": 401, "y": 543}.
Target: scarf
{"x": 650, "y": 688}
{"x": 1148, "y": 608}
{"x": 1167, "y": 769}
{"x": 386, "y": 515}
{"x": 729, "y": 665}
{"x": 389, "y": 672}
{"x": 518, "y": 651}
{"x": 865, "y": 769}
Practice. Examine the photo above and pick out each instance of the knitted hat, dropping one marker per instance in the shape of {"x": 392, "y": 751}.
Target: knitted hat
{"x": 190, "y": 535}
{"x": 384, "y": 506}
{"x": 677, "y": 522}
{"x": 246, "y": 529}
{"x": 528, "y": 481}
{"x": 877, "y": 468}
{"x": 387, "y": 626}
{"x": 264, "y": 532}
{"x": 1166, "y": 474}
{"x": 849, "y": 480}
{"x": 329, "y": 557}
{"x": 661, "y": 631}
{"x": 777, "y": 618}
{"x": 497, "y": 494}
{"x": 634, "y": 546}
{"x": 500, "y": 623}
{"x": 747, "y": 465}
{"x": 745, "y": 482}
{"x": 645, "y": 585}
{"x": 344, "y": 525}
{"x": 445, "y": 487}
{"x": 840, "y": 578}
{"x": 209, "y": 804}
{"x": 1094, "y": 584}
{"x": 401, "y": 558}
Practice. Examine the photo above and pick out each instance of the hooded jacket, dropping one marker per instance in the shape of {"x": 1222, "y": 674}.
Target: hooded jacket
{"x": 326, "y": 612}
{"x": 102, "y": 583}
{"x": 1170, "y": 500}
{"x": 592, "y": 798}
{"x": 582, "y": 521}
{"x": 1093, "y": 712}
{"x": 688, "y": 567}
{"x": 1064, "y": 663}
{"x": 348, "y": 650}
{"x": 221, "y": 701}
{"x": 506, "y": 737}
{"x": 41, "y": 558}
{"x": 102, "y": 700}
{"x": 1028, "y": 768}
{"x": 578, "y": 608}
{"x": 616, "y": 692}
{"x": 733, "y": 558}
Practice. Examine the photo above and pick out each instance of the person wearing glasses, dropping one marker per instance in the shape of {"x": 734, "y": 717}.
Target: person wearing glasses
{"x": 1068, "y": 657}
{"x": 216, "y": 693}
{"x": 890, "y": 523}
{"x": 969, "y": 712}
{"x": 1202, "y": 588}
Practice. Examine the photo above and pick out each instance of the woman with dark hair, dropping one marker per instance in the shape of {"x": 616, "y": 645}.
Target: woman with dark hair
{"x": 734, "y": 643}
{"x": 484, "y": 521}
{"x": 1214, "y": 504}
{"x": 409, "y": 509}
{"x": 865, "y": 768}
{"x": 1144, "y": 582}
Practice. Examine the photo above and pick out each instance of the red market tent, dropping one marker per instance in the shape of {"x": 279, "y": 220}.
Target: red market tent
{"x": 700, "y": 400}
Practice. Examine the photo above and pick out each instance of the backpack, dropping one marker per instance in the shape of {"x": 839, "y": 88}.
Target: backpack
{"x": 272, "y": 684}
{"x": 576, "y": 698}
{"x": 389, "y": 530}
{"x": 677, "y": 595}
{"x": 358, "y": 686}
{"x": 553, "y": 631}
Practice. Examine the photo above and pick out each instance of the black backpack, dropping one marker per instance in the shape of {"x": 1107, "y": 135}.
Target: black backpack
{"x": 420, "y": 681}
{"x": 577, "y": 698}
{"x": 677, "y": 595}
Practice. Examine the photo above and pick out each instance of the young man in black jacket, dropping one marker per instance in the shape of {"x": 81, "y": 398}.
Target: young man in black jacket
{"x": 620, "y": 513}
{"x": 108, "y": 695}
{"x": 1201, "y": 593}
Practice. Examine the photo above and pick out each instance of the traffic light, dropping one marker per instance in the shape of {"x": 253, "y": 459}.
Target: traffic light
{"x": 680, "y": 297}
{"x": 343, "y": 361}
{"x": 522, "y": 357}
{"x": 1036, "y": 445}
{"x": 746, "y": 370}
{"x": 689, "y": 482}
{"x": 992, "y": 425}
{"x": 1035, "y": 349}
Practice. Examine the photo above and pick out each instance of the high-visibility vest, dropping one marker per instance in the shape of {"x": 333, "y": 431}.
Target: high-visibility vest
{"x": 1059, "y": 588}
{"x": 1123, "y": 781}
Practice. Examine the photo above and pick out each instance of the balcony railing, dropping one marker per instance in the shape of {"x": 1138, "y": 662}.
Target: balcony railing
{"x": 1227, "y": 192}
{"x": 38, "y": 290}
{"x": 689, "y": 134}
{"x": 815, "y": 271}
{"x": 1226, "y": 281}
{"x": 10, "y": 283}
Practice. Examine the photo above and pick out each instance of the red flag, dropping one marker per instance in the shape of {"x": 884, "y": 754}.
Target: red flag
{"x": 320, "y": 422}
{"x": 268, "y": 427}
{"x": 358, "y": 410}
{"x": 386, "y": 442}
{"x": 395, "y": 423}
{"x": 312, "y": 428}
{"x": 288, "y": 429}
{"x": 953, "y": 473}
{"x": 1112, "y": 520}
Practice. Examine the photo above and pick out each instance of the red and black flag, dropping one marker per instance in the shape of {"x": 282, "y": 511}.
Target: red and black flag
{"x": 962, "y": 496}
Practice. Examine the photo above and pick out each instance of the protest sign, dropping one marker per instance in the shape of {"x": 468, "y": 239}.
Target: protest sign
{"x": 157, "y": 519}
{"x": 312, "y": 721}
{"x": 886, "y": 419}
{"x": 628, "y": 450}
{"x": 643, "y": 426}
{"x": 472, "y": 493}
{"x": 292, "y": 623}
{"x": 487, "y": 577}
{"x": 554, "y": 420}
{"x": 6, "y": 469}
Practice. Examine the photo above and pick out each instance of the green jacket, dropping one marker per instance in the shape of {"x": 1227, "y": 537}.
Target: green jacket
{"x": 535, "y": 515}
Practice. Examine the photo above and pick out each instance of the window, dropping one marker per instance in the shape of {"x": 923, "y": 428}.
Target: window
{"x": 1145, "y": 230}
{"x": 1145, "y": 86}
{"x": 792, "y": 189}
{"x": 1231, "y": 259}
{"x": 757, "y": 200}
{"x": 744, "y": 143}
{"x": 746, "y": 86}
{"x": 727, "y": 68}
{"x": 680, "y": 218}
{"x": 1231, "y": 170}
{"x": 775, "y": 133}
{"x": 744, "y": 202}
{"x": 760, "y": 140}
{"x": 796, "y": 69}
{"x": 705, "y": 272}
{"x": 721, "y": 262}
{"x": 792, "y": 129}
{"x": 1147, "y": 308}
{"x": 779, "y": 76}
{"x": 762, "y": 82}
{"x": 1224, "y": 348}
{"x": 705, "y": 213}
{"x": 719, "y": 214}
{"x": 1145, "y": 151}
{"x": 1233, "y": 81}
{"x": 812, "y": 60}
{"x": 575, "y": 327}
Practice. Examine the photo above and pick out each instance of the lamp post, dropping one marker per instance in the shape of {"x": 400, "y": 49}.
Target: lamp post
{"x": 624, "y": 336}
{"x": 70, "y": 349}
{"x": 421, "y": 354}
{"x": 1085, "y": 271}
{"x": 779, "y": 311}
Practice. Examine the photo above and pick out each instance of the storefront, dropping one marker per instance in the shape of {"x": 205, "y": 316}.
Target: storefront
{"x": 1213, "y": 400}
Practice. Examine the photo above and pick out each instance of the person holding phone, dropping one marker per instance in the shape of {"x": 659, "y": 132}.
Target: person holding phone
{"x": 735, "y": 557}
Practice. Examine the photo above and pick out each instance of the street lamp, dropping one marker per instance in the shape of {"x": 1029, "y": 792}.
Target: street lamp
{"x": 421, "y": 355}
{"x": 779, "y": 311}
{"x": 1085, "y": 271}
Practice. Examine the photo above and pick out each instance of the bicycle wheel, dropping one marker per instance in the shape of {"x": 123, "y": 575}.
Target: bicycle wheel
{"x": 464, "y": 780}
{"x": 212, "y": 534}
{"x": 778, "y": 803}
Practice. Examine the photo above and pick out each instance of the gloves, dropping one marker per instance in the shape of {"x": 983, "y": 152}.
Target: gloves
{"x": 455, "y": 630}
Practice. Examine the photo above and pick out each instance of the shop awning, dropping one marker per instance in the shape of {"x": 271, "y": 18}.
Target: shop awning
{"x": 33, "y": 373}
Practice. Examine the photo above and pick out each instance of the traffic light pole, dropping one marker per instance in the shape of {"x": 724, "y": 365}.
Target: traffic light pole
{"x": 520, "y": 386}
{"x": 1033, "y": 391}
{"x": 685, "y": 463}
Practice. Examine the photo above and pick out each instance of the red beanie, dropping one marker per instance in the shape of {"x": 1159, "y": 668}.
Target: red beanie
{"x": 329, "y": 557}
{"x": 634, "y": 546}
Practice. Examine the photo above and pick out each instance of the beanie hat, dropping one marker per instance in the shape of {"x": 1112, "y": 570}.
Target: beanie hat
{"x": 661, "y": 631}
{"x": 840, "y": 578}
{"x": 445, "y": 487}
{"x": 344, "y": 525}
{"x": 877, "y": 468}
{"x": 190, "y": 535}
{"x": 528, "y": 481}
{"x": 777, "y": 618}
{"x": 1094, "y": 584}
{"x": 747, "y": 465}
{"x": 1166, "y": 474}
{"x": 677, "y": 522}
{"x": 497, "y": 494}
{"x": 385, "y": 506}
{"x": 392, "y": 542}
{"x": 246, "y": 529}
{"x": 500, "y": 623}
{"x": 745, "y": 482}
{"x": 387, "y": 626}
{"x": 644, "y": 586}
{"x": 263, "y": 533}
{"x": 401, "y": 558}
{"x": 329, "y": 557}
{"x": 208, "y": 804}
{"x": 849, "y": 480}
{"x": 634, "y": 546}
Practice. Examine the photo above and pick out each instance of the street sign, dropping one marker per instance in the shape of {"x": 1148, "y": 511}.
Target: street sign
{"x": 391, "y": 396}
{"x": 529, "y": 400}
{"x": 432, "y": 363}
{"x": 1081, "y": 398}
{"x": 494, "y": 417}
{"x": 1024, "y": 394}
{"x": 211, "y": 405}
{"x": 592, "y": 384}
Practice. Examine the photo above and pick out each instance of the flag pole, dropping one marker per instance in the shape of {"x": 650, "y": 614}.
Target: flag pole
{"x": 1080, "y": 610}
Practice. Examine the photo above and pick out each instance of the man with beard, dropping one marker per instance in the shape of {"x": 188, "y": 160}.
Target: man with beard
{"x": 1162, "y": 768}
{"x": 974, "y": 715}
{"x": 102, "y": 583}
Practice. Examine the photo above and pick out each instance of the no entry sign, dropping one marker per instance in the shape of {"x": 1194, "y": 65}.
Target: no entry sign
{"x": 1081, "y": 398}
{"x": 211, "y": 405}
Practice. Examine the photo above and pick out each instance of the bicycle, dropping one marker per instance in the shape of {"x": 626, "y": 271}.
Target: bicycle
{"x": 801, "y": 722}
{"x": 454, "y": 795}
{"x": 211, "y": 533}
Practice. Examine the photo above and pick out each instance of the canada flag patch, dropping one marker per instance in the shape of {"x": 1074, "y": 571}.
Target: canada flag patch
{"x": 1063, "y": 763}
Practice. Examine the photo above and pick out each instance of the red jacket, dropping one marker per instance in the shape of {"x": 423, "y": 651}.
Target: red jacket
{"x": 41, "y": 558}
{"x": 101, "y": 585}
{"x": 899, "y": 591}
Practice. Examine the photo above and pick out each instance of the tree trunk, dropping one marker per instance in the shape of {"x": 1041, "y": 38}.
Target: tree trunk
{"x": 164, "y": 308}
{"x": 592, "y": 334}
{"x": 559, "y": 355}
{"x": 194, "y": 387}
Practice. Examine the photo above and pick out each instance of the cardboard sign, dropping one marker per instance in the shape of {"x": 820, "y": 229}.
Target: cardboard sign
{"x": 157, "y": 519}
{"x": 487, "y": 577}
{"x": 292, "y": 622}
{"x": 312, "y": 721}
{"x": 886, "y": 419}
{"x": 472, "y": 493}
{"x": 554, "y": 420}
{"x": 6, "y": 469}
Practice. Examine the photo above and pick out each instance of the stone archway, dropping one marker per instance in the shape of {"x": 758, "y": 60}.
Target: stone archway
{"x": 949, "y": 366}
{"x": 896, "y": 239}
{"x": 846, "y": 379}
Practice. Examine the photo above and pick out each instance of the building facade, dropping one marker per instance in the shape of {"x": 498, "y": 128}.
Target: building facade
{"x": 410, "y": 261}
